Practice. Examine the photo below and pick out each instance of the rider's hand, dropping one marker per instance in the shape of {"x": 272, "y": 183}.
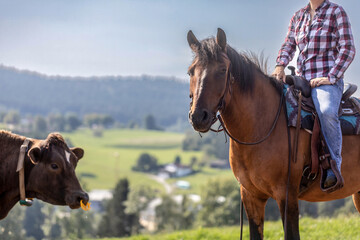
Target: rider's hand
{"x": 316, "y": 82}
{"x": 279, "y": 73}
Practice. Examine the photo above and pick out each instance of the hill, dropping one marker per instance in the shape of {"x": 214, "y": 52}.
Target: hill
{"x": 110, "y": 157}
{"x": 124, "y": 98}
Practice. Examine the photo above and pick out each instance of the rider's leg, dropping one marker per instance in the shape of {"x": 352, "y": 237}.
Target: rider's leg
{"x": 327, "y": 100}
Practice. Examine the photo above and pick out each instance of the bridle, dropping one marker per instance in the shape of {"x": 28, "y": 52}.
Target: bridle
{"x": 222, "y": 105}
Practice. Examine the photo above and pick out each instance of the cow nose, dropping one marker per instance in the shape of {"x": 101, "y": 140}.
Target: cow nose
{"x": 82, "y": 196}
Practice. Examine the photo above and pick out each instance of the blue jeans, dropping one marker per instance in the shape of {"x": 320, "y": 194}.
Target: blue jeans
{"x": 327, "y": 100}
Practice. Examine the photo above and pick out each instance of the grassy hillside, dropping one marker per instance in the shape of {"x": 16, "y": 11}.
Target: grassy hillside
{"x": 111, "y": 157}
{"x": 344, "y": 228}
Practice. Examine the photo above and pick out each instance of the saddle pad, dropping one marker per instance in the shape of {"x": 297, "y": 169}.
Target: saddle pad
{"x": 350, "y": 125}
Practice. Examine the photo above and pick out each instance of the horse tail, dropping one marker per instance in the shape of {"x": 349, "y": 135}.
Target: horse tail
{"x": 356, "y": 200}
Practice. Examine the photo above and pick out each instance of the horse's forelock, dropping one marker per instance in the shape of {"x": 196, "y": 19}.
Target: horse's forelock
{"x": 207, "y": 51}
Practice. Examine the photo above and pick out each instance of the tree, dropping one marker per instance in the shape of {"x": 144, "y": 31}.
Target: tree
{"x": 94, "y": 119}
{"x": 56, "y": 122}
{"x": 33, "y": 221}
{"x": 12, "y": 117}
{"x": 193, "y": 161}
{"x": 40, "y": 127}
{"x": 220, "y": 203}
{"x": 72, "y": 122}
{"x": 167, "y": 214}
{"x": 78, "y": 225}
{"x": 150, "y": 123}
{"x": 10, "y": 229}
{"x": 115, "y": 222}
{"x": 173, "y": 216}
{"x": 55, "y": 230}
{"x": 107, "y": 121}
{"x": 145, "y": 163}
{"x": 177, "y": 160}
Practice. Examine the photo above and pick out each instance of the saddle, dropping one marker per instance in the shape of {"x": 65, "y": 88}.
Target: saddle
{"x": 320, "y": 157}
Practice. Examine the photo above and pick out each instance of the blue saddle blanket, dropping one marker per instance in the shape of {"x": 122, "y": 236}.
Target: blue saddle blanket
{"x": 350, "y": 124}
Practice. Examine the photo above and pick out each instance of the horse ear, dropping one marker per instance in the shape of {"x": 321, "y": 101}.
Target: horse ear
{"x": 221, "y": 39}
{"x": 35, "y": 155}
{"x": 193, "y": 42}
{"x": 79, "y": 152}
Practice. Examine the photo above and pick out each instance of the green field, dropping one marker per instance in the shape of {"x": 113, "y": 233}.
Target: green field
{"x": 110, "y": 157}
{"x": 344, "y": 228}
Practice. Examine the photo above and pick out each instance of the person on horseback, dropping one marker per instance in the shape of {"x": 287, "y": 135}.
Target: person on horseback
{"x": 322, "y": 33}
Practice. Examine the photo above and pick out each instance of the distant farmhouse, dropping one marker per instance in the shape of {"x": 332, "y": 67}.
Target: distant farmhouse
{"x": 175, "y": 170}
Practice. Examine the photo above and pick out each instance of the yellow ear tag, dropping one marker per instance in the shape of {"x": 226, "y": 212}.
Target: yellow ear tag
{"x": 85, "y": 207}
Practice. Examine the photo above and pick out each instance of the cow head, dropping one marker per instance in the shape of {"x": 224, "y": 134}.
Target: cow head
{"x": 52, "y": 178}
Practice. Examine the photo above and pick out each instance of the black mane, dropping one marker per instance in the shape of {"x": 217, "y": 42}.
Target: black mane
{"x": 243, "y": 65}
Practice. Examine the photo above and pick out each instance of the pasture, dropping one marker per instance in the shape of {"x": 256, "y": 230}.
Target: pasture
{"x": 343, "y": 227}
{"x": 110, "y": 157}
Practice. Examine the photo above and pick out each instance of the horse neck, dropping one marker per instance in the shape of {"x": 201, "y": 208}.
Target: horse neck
{"x": 249, "y": 116}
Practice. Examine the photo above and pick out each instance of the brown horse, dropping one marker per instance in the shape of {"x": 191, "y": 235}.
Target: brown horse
{"x": 234, "y": 84}
{"x": 49, "y": 171}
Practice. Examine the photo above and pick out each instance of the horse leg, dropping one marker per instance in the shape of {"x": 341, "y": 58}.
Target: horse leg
{"x": 255, "y": 211}
{"x": 292, "y": 228}
{"x": 356, "y": 200}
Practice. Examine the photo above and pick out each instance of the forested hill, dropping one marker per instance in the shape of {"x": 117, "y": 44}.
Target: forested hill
{"x": 124, "y": 98}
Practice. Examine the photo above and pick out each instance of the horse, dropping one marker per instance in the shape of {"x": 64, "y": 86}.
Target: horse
{"x": 49, "y": 173}
{"x": 247, "y": 99}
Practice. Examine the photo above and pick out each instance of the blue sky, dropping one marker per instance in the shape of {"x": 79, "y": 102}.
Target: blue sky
{"x": 134, "y": 37}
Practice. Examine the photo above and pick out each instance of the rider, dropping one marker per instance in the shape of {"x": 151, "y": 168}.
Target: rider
{"x": 323, "y": 35}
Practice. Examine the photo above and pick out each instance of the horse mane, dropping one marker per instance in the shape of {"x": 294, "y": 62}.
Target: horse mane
{"x": 244, "y": 65}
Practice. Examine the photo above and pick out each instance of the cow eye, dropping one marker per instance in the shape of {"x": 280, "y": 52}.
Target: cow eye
{"x": 54, "y": 166}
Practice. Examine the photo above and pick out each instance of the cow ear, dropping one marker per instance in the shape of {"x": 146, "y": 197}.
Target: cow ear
{"x": 193, "y": 42}
{"x": 79, "y": 152}
{"x": 221, "y": 39}
{"x": 34, "y": 155}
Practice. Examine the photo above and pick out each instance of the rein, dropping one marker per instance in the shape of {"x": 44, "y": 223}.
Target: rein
{"x": 21, "y": 170}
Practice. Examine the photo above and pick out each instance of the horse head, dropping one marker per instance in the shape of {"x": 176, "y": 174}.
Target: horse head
{"x": 209, "y": 75}
{"x": 52, "y": 178}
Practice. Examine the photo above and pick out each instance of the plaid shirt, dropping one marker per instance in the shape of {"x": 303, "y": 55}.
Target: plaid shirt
{"x": 326, "y": 44}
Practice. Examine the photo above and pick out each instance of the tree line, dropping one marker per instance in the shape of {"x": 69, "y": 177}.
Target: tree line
{"x": 39, "y": 126}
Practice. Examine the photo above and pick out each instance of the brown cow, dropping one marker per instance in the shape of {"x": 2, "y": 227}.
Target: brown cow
{"x": 49, "y": 171}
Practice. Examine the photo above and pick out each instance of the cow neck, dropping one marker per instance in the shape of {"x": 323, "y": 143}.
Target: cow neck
{"x": 21, "y": 170}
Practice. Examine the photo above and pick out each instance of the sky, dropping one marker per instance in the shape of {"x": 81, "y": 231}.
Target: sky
{"x": 135, "y": 37}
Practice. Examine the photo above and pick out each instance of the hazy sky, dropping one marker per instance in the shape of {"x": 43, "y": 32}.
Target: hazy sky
{"x": 134, "y": 37}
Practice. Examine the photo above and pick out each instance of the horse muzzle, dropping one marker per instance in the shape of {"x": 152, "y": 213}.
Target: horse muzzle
{"x": 201, "y": 120}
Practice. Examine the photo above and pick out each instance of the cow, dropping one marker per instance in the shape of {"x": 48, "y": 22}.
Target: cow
{"x": 49, "y": 168}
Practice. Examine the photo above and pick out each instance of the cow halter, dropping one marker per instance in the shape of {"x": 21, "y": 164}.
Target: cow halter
{"x": 21, "y": 170}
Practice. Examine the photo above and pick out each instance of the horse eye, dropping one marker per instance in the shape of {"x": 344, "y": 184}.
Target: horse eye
{"x": 191, "y": 72}
{"x": 223, "y": 70}
{"x": 191, "y": 96}
{"x": 54, "y": 166}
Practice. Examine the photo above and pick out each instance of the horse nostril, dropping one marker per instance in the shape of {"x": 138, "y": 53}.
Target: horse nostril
{"x": 205, "y": 116}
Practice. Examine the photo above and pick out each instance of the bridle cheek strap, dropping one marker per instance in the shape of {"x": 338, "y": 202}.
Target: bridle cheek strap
{"x": 21, "y": 170}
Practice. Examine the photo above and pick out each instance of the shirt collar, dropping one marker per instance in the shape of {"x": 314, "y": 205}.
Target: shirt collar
{"x": 308, "y": 7}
